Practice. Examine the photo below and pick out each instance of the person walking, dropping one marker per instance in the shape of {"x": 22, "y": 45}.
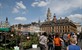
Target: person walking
{"x": 43, "y": 41}
{"x": 50, "y": 42}
{"x": 78, "y": 36}
{"x": 75, "y": 38}
{"x": 69, "y": 36}
{"x": 65, "y": 38}
{"x": 73, "y": 45}
{"x": 57, "y": 42}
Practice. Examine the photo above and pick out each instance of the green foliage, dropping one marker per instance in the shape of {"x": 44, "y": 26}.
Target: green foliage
{"x": 34, "y": 40}
{"x": 13, "y": 42}
{"x": 2, "y": 48}
{"x": 10, "y": 49}
{"x": 17, "y": 38}
{"x": 28, "y": 43}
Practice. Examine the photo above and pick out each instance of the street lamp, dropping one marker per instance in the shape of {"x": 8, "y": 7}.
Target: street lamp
{"x": 52, "y": 24}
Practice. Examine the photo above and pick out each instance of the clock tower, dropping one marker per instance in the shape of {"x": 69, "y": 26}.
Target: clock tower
{"x": 48, "y": 15}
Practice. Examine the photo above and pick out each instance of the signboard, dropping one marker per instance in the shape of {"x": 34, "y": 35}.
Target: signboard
{"x": 5, "y": 29}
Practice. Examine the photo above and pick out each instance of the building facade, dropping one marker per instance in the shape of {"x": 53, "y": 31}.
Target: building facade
{"x": 33, "y": 27}
{"x": 61, "y": 25}
{"x": 4, "y": 24}
{"x": 79, "y": 27}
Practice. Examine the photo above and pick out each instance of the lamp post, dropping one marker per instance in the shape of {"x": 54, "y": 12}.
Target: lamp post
{"x": 52, "y": 24}
{"x": 21, "y": 34}
{"x": 5, "y": 41}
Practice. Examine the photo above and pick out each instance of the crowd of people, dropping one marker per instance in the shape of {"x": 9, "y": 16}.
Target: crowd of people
{"x": 67, "y": 41}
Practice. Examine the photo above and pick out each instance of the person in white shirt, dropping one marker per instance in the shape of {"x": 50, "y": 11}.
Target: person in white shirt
{"x": 43, "y": 41}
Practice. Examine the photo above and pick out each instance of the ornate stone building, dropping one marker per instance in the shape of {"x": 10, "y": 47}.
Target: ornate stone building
{"x": 48, "y": 15}
{"x": 5, "y": 24}
{"x": 61, "y": 25}
{"x": 33, "y": 27}
{"x": 78, "y": 25}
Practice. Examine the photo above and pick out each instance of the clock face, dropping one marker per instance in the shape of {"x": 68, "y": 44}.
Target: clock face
{"x": 49, "y": 14}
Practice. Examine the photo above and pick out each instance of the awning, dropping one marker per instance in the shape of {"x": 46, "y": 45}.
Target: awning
{"x": 4, "y": 29}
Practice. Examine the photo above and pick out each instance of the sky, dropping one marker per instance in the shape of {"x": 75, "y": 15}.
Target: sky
{"x": 27, "y": 11}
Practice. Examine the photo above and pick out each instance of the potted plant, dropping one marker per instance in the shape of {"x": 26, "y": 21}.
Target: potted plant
{"x": 34, "y": 41}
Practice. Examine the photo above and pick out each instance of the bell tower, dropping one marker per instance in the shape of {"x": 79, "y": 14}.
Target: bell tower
{"x": 54, "y": 18}
{"x": 6, "y": 22}
{"x": 48, "y": 15}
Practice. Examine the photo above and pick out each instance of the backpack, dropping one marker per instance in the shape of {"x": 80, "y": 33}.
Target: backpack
{"x": 57, "y": 41}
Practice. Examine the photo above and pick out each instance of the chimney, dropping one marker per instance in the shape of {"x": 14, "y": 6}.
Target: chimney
{"x": 54, "y": 18}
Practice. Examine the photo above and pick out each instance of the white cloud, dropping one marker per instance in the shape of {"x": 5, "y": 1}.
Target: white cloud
{"x": 15, "y": 10}
{"x": 34, "y": 4}
{"x": 76, "y": 17}
{"x": 19, "y": 6}
{"x": 64, "y": 6}
{"x": 21, "y": 18}
{"x": 40, "y": 4}
{"x": 79, "y": 16}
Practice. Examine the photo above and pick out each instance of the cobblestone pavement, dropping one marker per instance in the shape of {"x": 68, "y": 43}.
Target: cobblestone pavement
{"x": 36, "y": 49}
{"x": 80, "y": 44}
